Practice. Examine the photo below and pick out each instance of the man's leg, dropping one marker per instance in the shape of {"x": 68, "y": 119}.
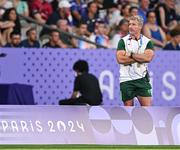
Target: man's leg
{"x": 67, "y": 101}
{"x": 73, "y": 101}
{"x": 128, "y": 103}
{"x": 145, "y": 101}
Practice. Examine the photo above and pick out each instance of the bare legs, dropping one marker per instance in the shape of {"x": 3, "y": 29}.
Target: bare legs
{"x": 144, "y": 101}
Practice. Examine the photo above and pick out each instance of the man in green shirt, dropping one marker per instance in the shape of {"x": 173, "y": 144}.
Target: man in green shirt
{"x": 134, "y": 51}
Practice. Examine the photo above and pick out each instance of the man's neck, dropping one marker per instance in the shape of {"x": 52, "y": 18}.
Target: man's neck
{"x": 136, "y": 37}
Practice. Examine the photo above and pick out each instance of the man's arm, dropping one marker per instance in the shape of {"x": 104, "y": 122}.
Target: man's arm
{"x": 123, "y": 58}
{"x": 146, "y": 57}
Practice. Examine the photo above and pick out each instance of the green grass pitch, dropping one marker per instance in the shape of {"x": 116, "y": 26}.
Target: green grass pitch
{"x": 87, "y": 147}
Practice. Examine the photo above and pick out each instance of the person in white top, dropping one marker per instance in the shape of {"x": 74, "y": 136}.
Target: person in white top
{"x": 134, "y": 51}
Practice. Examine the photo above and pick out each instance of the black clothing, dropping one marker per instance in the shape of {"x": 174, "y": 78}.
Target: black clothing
{"x": 88, "y": 85}
{"x": 10, "y": 45}
{"x": 25, "y": 43}
{"x": 48, "y": 45}
{"x": 170, "y": 14}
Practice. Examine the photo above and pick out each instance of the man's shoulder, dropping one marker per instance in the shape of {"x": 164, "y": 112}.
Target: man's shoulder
{"x": 125, "y": 37}
{"x": 146, "y": 40}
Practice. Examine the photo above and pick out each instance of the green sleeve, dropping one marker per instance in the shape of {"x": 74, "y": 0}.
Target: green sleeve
{"x": 150, "y": 45}
{"x": 121, "y": 45}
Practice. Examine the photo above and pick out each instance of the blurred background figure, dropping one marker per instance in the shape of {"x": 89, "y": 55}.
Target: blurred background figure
{"x": 54, "y": 41}
{"x": 100, "y": 35}
{"x": 62, "y": 24}
{"x": 77, "y": 9}
{"x": 21, "y": 7}
{"x": 86, "y": 87}
{"x": 5, "y": 4}
{"x": 40, "y": 10}
{"x": 82, "y": 32}
{"x": 133, "y": 11}
{"x": 11, "y": 18}
{"x": 166, "y": 15}
{"x": 153, "y": 31}
{"x": 125, "y": 11}
{"x": 31, "y": 41}
{"x": 144, "y": 7}
{"x": 63, "y": 12}
{"x": 90, "y": 16}
{"x": 122, "y": 31}
{"x": 174, "y": 43}
{"x": 15, "y": 40}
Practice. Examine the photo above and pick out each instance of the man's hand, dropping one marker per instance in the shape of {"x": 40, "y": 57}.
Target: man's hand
{"x": 123, "y": 57}
{"x": 146, "y": 57}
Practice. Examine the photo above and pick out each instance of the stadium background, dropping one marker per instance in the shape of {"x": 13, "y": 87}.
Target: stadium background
{"x": 27, "y": 76}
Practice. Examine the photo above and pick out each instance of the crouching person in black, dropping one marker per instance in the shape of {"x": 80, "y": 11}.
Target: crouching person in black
{"x": 86, "y": 85}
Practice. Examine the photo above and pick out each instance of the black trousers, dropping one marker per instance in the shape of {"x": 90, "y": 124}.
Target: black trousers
{"x": 77, "y": 101}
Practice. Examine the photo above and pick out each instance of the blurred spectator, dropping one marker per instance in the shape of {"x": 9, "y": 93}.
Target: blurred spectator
{"x": 132, "y": 2}
{"x": 22, "y": 9}
{"x": 5, "y": 4}
{"x": 11, "y": 16}
{"x": 63, "y": 12}
{"x": 100, "y": 36}
{"x": 144, "y": 7}
{"x": 153, "y": 31}
{"x": 133, "y": 11}
{"x": 114, "y": 15}
{"x": 153, "y": 4}
{"x": 91, "y": 16}
{"x": 125, "y": 11}
{"x": 15, "y": 40}
{"x": 54, "y": 4}
{"x": 62, "y": 24}
{"x": 82, "y": 32}
{"x": 40, "y": 10}
{"x": 99, "y": 4}
{"x": 31, "y": 41}
{"x": 54, "y": 41}
{"x": 77, "y": 9}
{"x": 166, "y": 15}
{"x": 6, "y": 27}
{"x": 123, "y": 30}
{"x": 174, "y": 44}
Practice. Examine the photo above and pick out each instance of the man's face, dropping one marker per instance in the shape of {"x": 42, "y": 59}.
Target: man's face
{"x": 134, "y": 27}
{"x": 151, "y": 18}
{"x": 101, "y": 28}
{"x": 93, "y": 8}
{"x": 32, "y": 35}
{"x": 134, "y": 12}
{"x": 16, "y": 39}
{"x": 177, "y": 39}
{"x": 124, "y": 27}
{"x": 55, "y": 36}
{"x": 145, "y": 4}
{"x": 62, "y": 24}
{"x": 83, "y": 29}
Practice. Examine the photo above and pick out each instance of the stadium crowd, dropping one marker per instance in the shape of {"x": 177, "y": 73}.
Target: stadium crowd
{"x": 101, "y": 21}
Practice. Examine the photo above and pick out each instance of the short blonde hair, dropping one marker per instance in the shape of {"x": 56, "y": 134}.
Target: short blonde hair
{"x": 137, "y": 18}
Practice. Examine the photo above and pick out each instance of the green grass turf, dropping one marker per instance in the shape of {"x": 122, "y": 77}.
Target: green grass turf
{"x": 87, "y": 147}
